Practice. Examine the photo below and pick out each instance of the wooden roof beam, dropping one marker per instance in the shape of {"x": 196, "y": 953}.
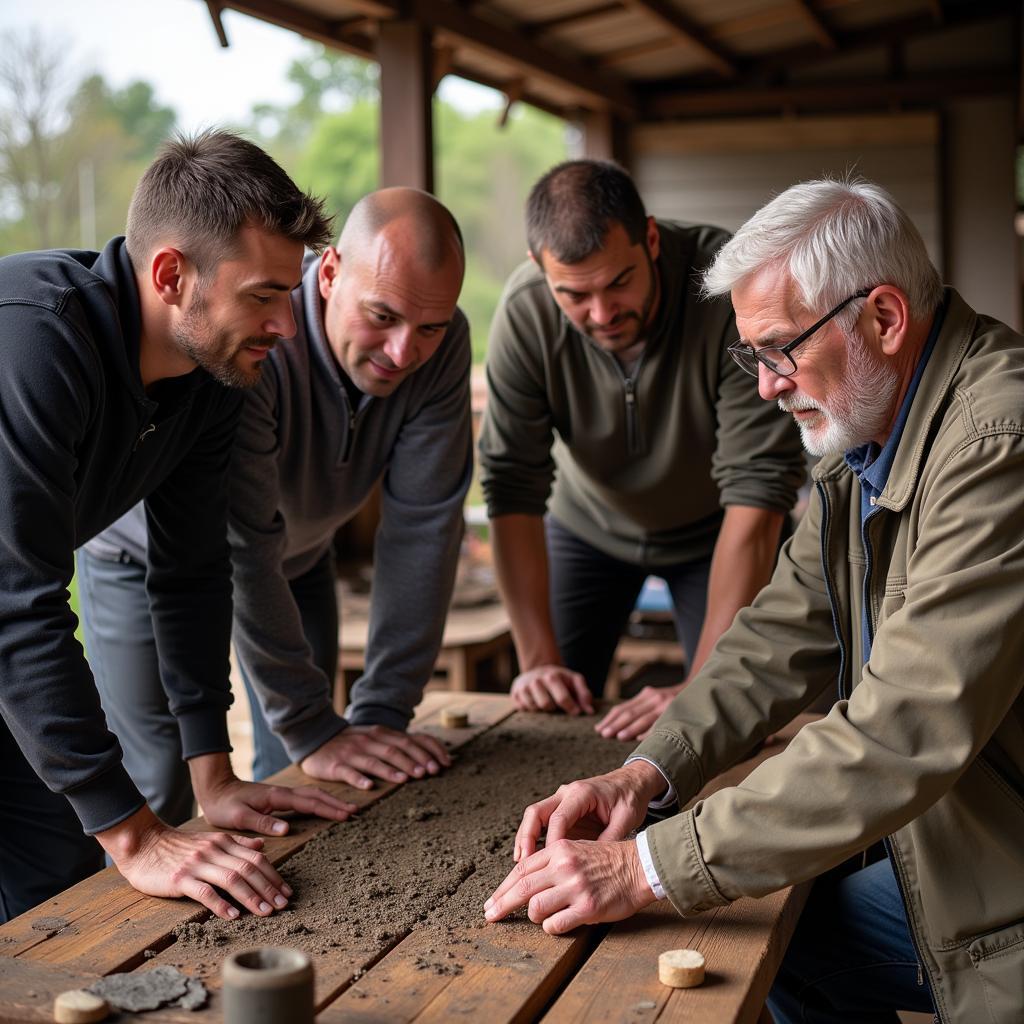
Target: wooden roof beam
{"x": 573, "y": 18}
{"x": 595, "y": 89}
{"x": 338, "y": 33}
{"x": 822, "y": 96}
{"x": 689, "y": 33}
{"x": 814, "y": 21}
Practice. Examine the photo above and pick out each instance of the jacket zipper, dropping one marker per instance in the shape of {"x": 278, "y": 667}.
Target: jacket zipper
{"x": 629, "y": 383}
{"x": 350, "y": 438}
{"x": 887, "y": 841}
{"x": 631, "y": 430}
{"x": 143, "y": 434}
{"x": 826, "y": 517}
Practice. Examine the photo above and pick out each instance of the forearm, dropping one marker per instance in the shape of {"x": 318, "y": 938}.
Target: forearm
{"x": 743, "y": 562}
{"x": 521, "y": 563}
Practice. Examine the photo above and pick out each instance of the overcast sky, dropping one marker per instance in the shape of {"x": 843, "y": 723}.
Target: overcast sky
{"x": 172, "y": 45}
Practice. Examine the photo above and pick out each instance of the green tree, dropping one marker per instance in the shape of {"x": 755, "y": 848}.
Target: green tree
{"x": 69, "y": 155}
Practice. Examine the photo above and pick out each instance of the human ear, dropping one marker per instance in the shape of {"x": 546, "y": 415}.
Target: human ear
{"x": 888, "y": 309}
{"x": 328, "y": 271}
{"x": 169, "y": 271}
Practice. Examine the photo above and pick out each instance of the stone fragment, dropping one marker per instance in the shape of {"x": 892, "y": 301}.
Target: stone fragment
{"x": 142, "y": 990}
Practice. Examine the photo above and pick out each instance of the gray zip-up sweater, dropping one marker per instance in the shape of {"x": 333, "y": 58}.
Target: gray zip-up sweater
{"x": 638, "y": 466}
{"x": 304, "y": 461}
{"x": 80, "y": 442}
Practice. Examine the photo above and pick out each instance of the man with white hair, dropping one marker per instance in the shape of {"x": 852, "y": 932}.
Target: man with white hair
{"x": 905, "y": 584}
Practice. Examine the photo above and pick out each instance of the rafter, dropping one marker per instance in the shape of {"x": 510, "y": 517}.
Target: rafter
{"x": 573, "y": 18}
{"x": 567, "y": 72}
{"x": 688, "y": 32}
{"x": 814, "y": 21}
{"x": 329, "y": 31}
{"x": 821, "y": 96}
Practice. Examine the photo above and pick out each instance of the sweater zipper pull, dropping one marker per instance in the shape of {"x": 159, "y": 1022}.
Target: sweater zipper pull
{"x": 630, "y": 416}
{"x": 347, "y": 451}
{"x": 147, "y": 430}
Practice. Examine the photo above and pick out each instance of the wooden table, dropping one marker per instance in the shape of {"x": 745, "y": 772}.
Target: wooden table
{"x": 596, "y": 974}
{"x": 471, "y": 635}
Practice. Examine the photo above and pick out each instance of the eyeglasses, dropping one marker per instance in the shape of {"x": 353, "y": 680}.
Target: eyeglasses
{"x": 778, "y": 358}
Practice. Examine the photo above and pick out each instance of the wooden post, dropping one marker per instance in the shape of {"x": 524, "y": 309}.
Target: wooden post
{"x": 604, "y": 137}
{"x": 406, "y": 97}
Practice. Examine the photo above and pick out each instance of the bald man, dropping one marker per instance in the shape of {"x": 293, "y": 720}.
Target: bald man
{"x": 374, "y": 386}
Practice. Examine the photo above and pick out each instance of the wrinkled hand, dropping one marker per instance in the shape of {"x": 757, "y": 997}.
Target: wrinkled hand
{"x": 361, "y": 753}
{"x": 550, "y": 688}
{"x": 606, "y": 807}
{"x": 633, "y": 718}
{"x": 227, "y": 802}
{"x": 574, "y": 882}
{"x": 163, "y": 861}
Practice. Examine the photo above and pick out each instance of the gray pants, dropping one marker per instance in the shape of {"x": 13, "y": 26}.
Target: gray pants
{"x": 121, "y": 650}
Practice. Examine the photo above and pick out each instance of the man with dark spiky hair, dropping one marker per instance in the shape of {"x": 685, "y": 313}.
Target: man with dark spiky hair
{"x": 611, "y": 393}
{"x": 373, "y": 389}
{"x": 111, "y": 366}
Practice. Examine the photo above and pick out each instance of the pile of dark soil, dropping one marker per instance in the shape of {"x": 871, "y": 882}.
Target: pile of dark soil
{"x": 430, "y": 853}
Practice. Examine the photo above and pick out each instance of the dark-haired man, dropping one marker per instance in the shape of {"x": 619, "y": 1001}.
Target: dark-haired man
{"x": 375, "y": 387}
{"x": 109, "y": 392}
{"x": 610, "y": 390}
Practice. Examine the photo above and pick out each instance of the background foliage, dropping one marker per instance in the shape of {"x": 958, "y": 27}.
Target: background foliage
{"x": 72, "y": 148}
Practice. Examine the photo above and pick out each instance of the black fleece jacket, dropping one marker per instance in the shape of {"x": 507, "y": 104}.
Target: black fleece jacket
{"x": 81, "y": 441}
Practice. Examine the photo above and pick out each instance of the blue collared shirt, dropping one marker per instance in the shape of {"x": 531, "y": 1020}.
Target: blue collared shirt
{"x": 872, "y": 465}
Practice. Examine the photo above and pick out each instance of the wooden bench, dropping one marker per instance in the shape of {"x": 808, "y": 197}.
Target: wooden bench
{"x": 471, "y": 636}
{"x": 596, "y": 974}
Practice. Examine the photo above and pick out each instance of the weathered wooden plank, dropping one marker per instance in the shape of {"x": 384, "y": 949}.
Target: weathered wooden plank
{"x": 27, "y": 990}
{"x": 107, "y": 924}
{"x": 498, "y": 974}
{"x": 743, "y": 945}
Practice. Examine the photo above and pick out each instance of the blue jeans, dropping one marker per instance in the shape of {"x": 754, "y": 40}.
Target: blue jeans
{"x": 851, "y": 960}
{"x": 592, "y": 595}
{"x": 317, "y": 602}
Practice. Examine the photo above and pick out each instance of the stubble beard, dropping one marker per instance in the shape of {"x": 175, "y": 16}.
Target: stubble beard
{"x": 195, "y": 337}
{"x": 641, "y": 317}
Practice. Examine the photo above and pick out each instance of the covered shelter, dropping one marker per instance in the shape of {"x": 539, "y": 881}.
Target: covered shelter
{"x": 715, "y": 105}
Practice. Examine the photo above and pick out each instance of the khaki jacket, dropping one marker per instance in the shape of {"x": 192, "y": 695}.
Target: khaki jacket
{"x": 924, "y": 747}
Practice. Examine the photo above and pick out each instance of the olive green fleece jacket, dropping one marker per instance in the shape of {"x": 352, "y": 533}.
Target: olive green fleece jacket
{"x": 642, "y": 465}
{"x": 925, "y": 746}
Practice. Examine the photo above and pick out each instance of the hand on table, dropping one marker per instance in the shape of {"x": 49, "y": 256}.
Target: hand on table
{"x": 574, "y": 882}
{"x": 633, "y": 718}
{"x": 552, "y": 688}
{"x": 228, "y": 802}
{"x": 162, "y": 861}
{"x": 361, "y": 753}
{"x": 605, "y": 807}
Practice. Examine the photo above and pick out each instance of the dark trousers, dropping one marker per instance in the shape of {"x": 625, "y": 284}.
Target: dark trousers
{"x": 851, "y": 960}
{"x": 42, "y": 847}
{"x": 317, "y": 600}
{"x": 592, "y": 595}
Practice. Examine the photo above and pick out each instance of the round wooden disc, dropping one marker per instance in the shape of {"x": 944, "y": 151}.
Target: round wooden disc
{"x": 77, "y": 1006}
{"x": 681, "y": 968}
{"x": 454, "y": 719}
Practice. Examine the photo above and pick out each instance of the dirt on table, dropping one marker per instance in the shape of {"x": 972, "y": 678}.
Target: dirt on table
{"x": 428, "y": 854}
